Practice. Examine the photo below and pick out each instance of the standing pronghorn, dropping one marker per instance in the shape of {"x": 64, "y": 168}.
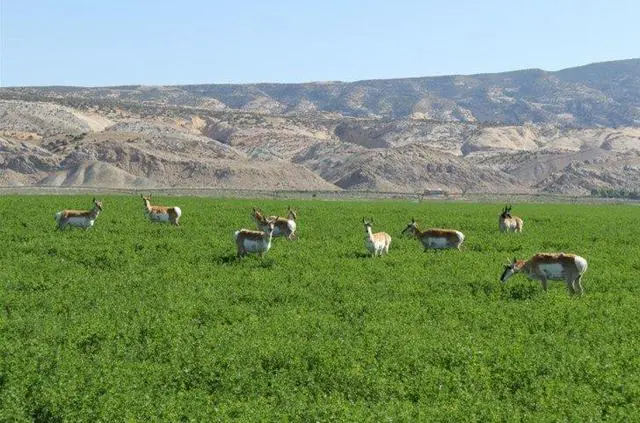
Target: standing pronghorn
{"x": 79, "y": 218}
{"x": 377, "y": 243}
{"x": 436, "y": 239}
{"x": 161, "y": 213}
{"x": 248, "y": 241}
{"x": 508, "y": 223}
{"x": 284, "y": 226}
{"x": 550, "y": 266}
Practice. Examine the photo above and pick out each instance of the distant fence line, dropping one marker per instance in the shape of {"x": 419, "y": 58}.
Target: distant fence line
{"x": 318, "y": 195}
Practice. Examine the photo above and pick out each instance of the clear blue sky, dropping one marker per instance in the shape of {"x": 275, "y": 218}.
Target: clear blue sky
{"x": 115, "y": 42}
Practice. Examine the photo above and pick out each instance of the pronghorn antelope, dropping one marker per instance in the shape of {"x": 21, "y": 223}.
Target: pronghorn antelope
{"x": 161, "y": 213}
{"x": 436, "y": 239}
{"x": 550, "y": 266}
{"x": 248, "y": 241}
{"x": 377, "y": 243}
{"x": 508, "y": 223}
{"x": 284, "y": 226}
{"x": 79, "y": 218}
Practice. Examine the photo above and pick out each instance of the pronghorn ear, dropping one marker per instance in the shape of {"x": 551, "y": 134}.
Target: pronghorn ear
{"x": 363, "y": 221}
{"x": 413, "y": 220}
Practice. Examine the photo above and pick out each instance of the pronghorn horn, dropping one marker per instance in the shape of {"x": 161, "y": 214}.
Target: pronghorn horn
{"x": 364, "y": 221}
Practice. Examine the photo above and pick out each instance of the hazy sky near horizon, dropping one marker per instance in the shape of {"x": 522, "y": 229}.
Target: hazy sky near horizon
{"x": 120, "y": 42}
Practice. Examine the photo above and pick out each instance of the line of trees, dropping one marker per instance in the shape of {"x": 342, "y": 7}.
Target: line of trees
{"x": 616, "y": 193}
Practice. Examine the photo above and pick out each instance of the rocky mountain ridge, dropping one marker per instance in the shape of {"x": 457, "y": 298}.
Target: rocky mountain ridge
{"x": 530, "y": 131}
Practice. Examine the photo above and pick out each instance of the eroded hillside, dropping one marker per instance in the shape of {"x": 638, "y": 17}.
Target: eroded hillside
{"x": 48, "y": 144}
{"x": 529, "y": 131}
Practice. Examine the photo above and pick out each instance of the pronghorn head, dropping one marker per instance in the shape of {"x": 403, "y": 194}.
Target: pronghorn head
{"x": 292, "y": 214}
{"x": 511, "y": 269}
{"x": 506, "y": 212}
{"x": 368, "y": 224}
{"x": 257, "y": 215}
{"x": 411, "y": 228}
{"x": 146, "y": 200}
{"x": 270, "y": 225}
{"x": 97, "y": 204}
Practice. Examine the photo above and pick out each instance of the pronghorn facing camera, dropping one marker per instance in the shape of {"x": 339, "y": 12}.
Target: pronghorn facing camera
{"x": 284, "y": 226}
{"x": 508, "y": 223}
{"x": 79, "y": 218}
{"x": 436, "y": 239}
{"x": 377, "y": 243}
{"x": 248, "y": 241}
{"x": 550, "y": 266}
{"x": 161, "y": 213}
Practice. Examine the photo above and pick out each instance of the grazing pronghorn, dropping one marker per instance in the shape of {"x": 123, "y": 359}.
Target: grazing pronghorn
{"x": 248, "y": 241}
{"x": 508, "y": 223}
{"x": 161, "y": 213}
{"x": 79, "y": 218}
{"x": 436, "y": 239}
{"x": 284, "y": 226}
{"x": 377, "y": 243}
{"x": 550, "y": 266}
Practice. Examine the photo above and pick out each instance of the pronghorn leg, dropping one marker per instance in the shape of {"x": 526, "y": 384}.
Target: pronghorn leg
{"x": 543, "y": 281}
{"x": 570, "y": 286}
{"x": 577, "y": 285}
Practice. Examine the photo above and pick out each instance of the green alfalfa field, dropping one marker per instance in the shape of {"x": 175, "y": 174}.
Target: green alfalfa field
{"x": 135, "y": 321}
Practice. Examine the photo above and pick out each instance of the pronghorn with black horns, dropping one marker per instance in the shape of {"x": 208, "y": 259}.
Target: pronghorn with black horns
{"x": 248, "y": 241}
{"x": 284, "y": 226}
{"x": 435, "y": 238}
{"x": 508, "y": 223}
{"x": 161, "y": 213}
{"x": 377, "y": 243}
{"x": 79, "y": 218}
{"x": 550, "y": 266}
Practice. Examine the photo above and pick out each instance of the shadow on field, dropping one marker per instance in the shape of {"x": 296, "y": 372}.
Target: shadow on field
{"x": 356, "y": 254}
{"x": 232, "y": 259}
{"x": 521, "y": 292}
{"x": 226, "y": 259}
